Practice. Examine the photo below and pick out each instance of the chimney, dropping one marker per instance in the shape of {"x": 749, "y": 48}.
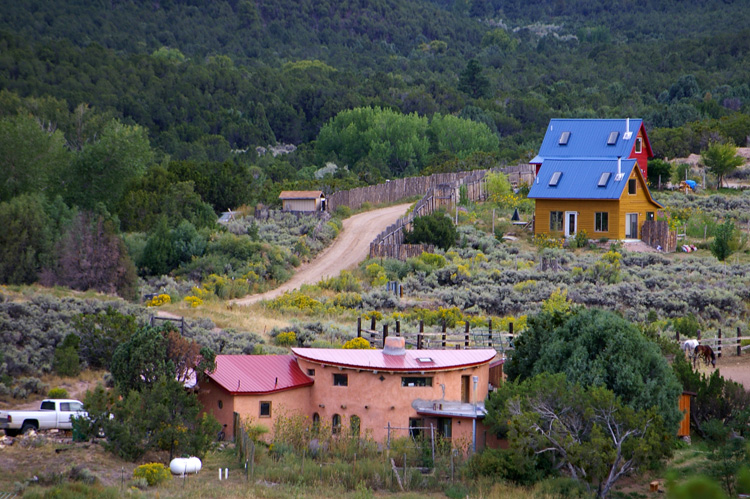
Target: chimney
{"x": 619, "y": 166}
{"x": 394, "y": 345}
{"x": 628, "y": 133}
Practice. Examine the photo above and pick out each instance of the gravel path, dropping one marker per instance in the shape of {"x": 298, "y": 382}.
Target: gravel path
{"x": 350, "y": 247}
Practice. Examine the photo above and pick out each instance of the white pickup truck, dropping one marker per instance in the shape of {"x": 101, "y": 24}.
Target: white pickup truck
{"x": 53, "y": 413}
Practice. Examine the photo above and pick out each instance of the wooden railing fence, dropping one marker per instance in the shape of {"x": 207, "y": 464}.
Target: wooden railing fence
{"x": 446, "y": 338}
{"x": 722, "y": 343}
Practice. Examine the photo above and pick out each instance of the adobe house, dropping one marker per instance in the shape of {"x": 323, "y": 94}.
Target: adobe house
{"x": 366, "y": 390}
{"x": 606, "y": 198}
{"x": 302, "y": 200}
{"x": 605, "y": 139}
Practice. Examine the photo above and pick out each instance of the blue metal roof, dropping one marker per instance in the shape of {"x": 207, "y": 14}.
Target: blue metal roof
{"x": 580, "y": 179}
{"x": 588, "y": 139}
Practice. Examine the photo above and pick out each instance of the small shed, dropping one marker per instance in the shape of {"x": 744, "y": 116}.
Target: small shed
{"x": 302, "y": 200}
{"x": 684, "y": 430}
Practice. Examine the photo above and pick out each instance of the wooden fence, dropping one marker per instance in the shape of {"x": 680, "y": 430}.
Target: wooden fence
{"x": 392, "y": 190}
{"x": 464, "y": 338}
{"x": 441, "y": 195}
{"x": 723, "y": 344}
{"x": 656, "y": 233}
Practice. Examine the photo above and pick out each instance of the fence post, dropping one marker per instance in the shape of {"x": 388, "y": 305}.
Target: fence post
{"x": 739, "y": 342}
{"x": 444, "y": 331}
{"x": 719, "y": 348}
{"x": 385, "y": 333}
{"x": 489, "y": 336}
{"x": 420, "y": 336}
{"x": 372, "y": 323}
{"x": 466, "y": 335}
{"x": 510, "y": 332}
{"x": 677, "y": 336}
{"x": 432, "y": 438}
{"x": 398, "y": 328}
{"x": 359, "y": 327}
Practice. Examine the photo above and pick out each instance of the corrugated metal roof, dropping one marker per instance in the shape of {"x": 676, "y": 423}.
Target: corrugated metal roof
{"x": 580, "y": 178}
{"x": 412, "y": 360}
{"x": 300, "y": 194}
{"x": 258, "y": 373}
{"x": 588, "y": 139}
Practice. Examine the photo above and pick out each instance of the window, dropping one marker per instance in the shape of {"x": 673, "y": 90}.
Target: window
{"x": 555, "y": 179}
{"x": 649, "y": 215}
{"x": 612, "y": 139}
{"x": 601, "y": 221}
{"x": 221, "y": 404}
{"x": 265, "y": 409}
{"x": 76, "y": 406}
{"x": 415, "y": 427}
{"x": 48, "y": 406}
{"x": 631, "y": 186}
{"x": 340, "y": 380}
{"x": 416, "y": 381}
{"x": 311, "y": 372}
{"x": 556, "y": 221}
{"x": 603, "y": 179}
{"x": 445, "y": 427}
{"x": 336, "y": 424}
{"x": 564, "y": 138}
{"x": 354, "y": 423}
{"x": 638, "y": 144}
{"x": 316, "y": 422}
{"x": 64, "y": 407}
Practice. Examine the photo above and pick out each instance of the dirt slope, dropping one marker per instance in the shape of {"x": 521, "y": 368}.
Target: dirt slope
{"x": 350, "y": 247}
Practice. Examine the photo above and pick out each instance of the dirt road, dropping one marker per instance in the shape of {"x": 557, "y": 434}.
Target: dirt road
{"x": 350, "y": 247}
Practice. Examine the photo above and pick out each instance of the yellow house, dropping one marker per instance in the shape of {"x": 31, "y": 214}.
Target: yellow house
{"x": 606, "y": 198}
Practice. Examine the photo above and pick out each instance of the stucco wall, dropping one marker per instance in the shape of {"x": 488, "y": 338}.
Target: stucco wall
{"x": 248, "y": 406}
{"x": 378, "y": 402}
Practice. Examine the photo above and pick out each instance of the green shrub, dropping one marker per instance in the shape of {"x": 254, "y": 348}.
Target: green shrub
{"x": 154, "y": 473}
{"x": 58, "y": 393}
{"x": 582, "y": 238}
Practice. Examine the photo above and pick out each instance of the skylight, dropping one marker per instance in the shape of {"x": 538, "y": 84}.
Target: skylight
{"x": 424, "y": 359}
{"x": 555, "y": 178}
{"x": 603, "y": 179}
{"x": 564, "y": 137}
{"x": 612, "y": 139}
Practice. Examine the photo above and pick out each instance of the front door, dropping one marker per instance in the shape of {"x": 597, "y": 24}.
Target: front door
{"x": 631, "y": 226}
{"x": 465, "y": 390}
{"x": 571, "y": 223}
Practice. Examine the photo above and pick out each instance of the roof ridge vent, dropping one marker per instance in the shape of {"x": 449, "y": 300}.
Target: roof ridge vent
{"x": 394, "y": 345}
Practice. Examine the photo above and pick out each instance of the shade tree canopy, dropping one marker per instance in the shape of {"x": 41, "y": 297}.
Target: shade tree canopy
{"x": 598, "y": 348}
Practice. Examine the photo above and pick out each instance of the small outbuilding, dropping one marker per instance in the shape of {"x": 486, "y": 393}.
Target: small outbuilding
{"x": 306, "y": 201}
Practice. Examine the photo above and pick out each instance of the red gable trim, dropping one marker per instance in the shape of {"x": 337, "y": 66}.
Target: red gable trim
{"x": 411, "y": 361}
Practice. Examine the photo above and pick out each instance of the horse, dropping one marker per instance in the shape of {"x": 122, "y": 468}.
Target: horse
{"x": 689, "y": 348}
{"x": 706, "y": 352}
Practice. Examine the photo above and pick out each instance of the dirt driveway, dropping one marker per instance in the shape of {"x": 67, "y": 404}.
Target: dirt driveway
{"x": 350, "y": 247}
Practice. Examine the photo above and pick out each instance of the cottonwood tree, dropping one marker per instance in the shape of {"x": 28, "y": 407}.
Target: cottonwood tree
{"x": 721, "y": 160}
{"x": 589, "y": 432}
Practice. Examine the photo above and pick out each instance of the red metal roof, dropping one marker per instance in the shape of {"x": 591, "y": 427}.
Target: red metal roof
{"x": 258, "y": 373}
{"x": 412, "y": 360}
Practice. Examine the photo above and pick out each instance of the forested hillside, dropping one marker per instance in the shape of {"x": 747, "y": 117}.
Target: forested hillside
{"x": 140, "y": 120}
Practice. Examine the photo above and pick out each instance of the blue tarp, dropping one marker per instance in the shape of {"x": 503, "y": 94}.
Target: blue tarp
{"x": 691, "y": 183}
